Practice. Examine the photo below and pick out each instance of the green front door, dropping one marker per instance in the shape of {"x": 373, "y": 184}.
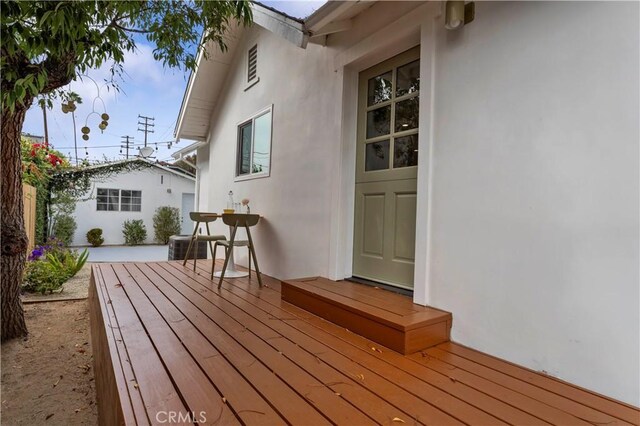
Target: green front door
{"x": 386, "y": 171}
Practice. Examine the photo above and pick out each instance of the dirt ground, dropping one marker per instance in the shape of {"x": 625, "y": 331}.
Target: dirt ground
{"x": 48, "y": 377}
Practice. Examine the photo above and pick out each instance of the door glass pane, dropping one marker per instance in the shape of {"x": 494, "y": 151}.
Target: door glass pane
{"x": 405, "y": 151}
{"x": 407, "y": 114}
{"x": 408, "y": 78}
{"x": 262, "y": 144}
{"x": 244, "y": 149}
{"x": 379, "y": 89}
{"x": 377, "y": 156}
{"x": 378, "y": 122}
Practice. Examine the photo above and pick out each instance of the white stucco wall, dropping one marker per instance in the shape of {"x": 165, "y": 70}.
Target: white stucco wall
{"x": 535, "y": 188}
{"x": 292, "y": 238}
{"x": 154, "y": 195}
{"x": 532, "y": 220}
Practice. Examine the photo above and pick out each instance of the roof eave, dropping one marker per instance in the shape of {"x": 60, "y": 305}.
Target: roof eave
{"x": 280, "y": 24}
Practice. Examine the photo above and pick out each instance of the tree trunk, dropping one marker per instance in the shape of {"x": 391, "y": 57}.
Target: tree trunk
{"x": 14, "y": 238}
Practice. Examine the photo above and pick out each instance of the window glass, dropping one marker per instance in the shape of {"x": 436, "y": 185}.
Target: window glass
{"x": 254, "y": 145}
{"x": 378, "y": 122}
{"x": 377, "y": 156}
{"x": 261, "y": 144}
{"x": 405, "y": 151}
{"x": 130, "y": 201}
{"x": 379, "y": 89}
{"x": 407, "y": 114}
{"x": 102, "y": 199}
{"x": 108, "y": 199}
{"x": 244, "y": 149}
{"x": 408, "y": 78}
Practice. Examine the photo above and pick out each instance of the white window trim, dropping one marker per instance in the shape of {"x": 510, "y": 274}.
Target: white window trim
{"x": 252, "y": 118}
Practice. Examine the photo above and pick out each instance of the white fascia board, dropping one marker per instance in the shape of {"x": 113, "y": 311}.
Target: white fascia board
{"x": 187, "y": 150}
{"x": 187, "y": 95}
{"x": 289, "y": 29}
{"x": 334, "y": 27}
{"x": 324, "y": 16}
{"x": 175, "y": 172}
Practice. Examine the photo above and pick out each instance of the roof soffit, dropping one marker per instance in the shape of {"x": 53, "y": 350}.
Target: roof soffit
{"x": 206, "y": 82}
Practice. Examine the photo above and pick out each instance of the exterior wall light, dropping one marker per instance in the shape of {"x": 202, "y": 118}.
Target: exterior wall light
{"x": 457, "y": 14}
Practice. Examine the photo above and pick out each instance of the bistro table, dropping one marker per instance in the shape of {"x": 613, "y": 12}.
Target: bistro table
{"x": 232, "y": 271}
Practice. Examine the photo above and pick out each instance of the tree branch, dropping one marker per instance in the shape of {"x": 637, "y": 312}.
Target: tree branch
{"x": 133, "y": 30}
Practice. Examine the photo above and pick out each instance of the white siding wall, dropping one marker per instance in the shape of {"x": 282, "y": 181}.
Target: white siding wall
{"x": 154, "y": 195}
{"x": 534, "y": 211}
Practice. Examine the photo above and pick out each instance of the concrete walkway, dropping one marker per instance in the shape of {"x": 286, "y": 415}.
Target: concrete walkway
{"x": 148, "y": 253}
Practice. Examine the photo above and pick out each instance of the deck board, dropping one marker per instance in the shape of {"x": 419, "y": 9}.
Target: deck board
{"x": 245, "y": 356}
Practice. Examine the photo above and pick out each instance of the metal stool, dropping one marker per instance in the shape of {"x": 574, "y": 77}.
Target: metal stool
{"x": 238, "y": 220}
{"x": 198, "y": 218}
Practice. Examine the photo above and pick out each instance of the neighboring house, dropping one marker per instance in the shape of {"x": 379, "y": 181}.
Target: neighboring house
{"x": 33, "y": 138}
{"x": 134, "y": 194}
{"x": 491, "y": 170}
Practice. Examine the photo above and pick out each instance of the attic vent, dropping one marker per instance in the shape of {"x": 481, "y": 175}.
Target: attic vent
{"x": 253, "y": 63}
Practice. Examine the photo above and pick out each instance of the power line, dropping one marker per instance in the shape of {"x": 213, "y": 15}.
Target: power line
{"x": 168, "y": 143}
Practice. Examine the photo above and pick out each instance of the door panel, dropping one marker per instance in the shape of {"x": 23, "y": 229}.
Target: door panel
{"x": 372, "y": 222}
{"x": 405, "y": 227}
{"x": 385, "y": 232}
{"x": 386, "y": 170}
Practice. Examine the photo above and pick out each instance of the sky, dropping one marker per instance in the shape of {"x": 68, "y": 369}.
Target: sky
{"x": 146, "y": 89}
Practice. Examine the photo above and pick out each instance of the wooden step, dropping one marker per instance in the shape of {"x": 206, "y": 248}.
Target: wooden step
{"x": 388, "y": 318}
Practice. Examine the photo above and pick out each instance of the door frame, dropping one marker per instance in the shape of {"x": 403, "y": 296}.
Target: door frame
{"x": 416, "y": 28}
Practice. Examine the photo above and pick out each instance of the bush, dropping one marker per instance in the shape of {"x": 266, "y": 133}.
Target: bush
{"x": 39, "y": 276}
{"x": 134, "y": 232}
{"x": 94, "y": 236}
{"x": 50, "y": 266}
{"x": 166, "y": 222}
{"x": 64, "y": 226}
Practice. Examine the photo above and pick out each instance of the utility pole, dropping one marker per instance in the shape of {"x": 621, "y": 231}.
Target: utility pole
{"x": 46, "y": 128}
{"x": 147, "y": 123}
{"x": 127, "y": 142}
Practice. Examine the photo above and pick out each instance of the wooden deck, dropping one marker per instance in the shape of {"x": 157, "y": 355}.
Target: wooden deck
{"x": 387, "y": 318}
{"x": 166, "y": 341}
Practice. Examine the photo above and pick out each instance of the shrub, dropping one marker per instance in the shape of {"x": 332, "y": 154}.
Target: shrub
{"x": 39, "y": 276}
{"x": 50, "y": 266}
{"x": 64, "y": 226}
{"x": 166, "y": 222}
{"x": 134, "y": 232}
{"x": 94, "y": 236}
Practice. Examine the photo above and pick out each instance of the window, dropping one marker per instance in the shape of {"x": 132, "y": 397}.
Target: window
{"x": 130, "y": 201}
{"x": 252, "y": 63}
{"x": 108, "y": 199}
{"x": 119, "y": 200}
{"x": 253, "y": 158}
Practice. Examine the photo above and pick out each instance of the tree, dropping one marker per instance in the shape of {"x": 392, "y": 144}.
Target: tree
{"x": 48, "y": 44}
